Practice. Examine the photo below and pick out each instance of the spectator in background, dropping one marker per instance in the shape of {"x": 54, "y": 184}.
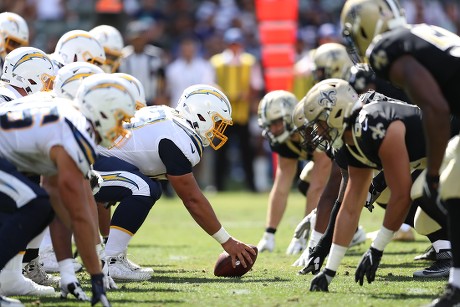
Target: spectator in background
{"x": 145, "y": 62}
{"x": 240, "y": 78}
{"x": 188, "y": 69}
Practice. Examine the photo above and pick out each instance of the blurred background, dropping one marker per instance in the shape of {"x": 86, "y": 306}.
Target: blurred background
{"x": 192, "y": 29}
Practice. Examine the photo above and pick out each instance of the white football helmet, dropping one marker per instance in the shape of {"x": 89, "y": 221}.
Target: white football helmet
{"x": 105, "y": 100}
{"x": 274, "y": 106}
{"x": 70, "y": 76}
{"x": 136, "y": 87}
{"x": 15, "y": 31}
{"x": 208, "y": 111}
{"x": 79, "y": 46}
{"x": 2, "y": 48}
{"x": 331, "y": 61}
{"x": 112, "y": 41}
{"x": 326, "y": 108}
{"x": 362, "y": 20}
{"x": 28, "y": 68}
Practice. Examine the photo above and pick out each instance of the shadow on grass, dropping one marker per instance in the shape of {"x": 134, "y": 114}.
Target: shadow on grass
{"x": 56, "y": 301}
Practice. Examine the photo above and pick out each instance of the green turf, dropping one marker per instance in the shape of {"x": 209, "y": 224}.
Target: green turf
{"x": 183, "y": 257}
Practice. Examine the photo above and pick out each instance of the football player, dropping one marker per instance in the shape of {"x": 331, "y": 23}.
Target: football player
{"x": 375, "y": 137}
{"x": 78, "y": 46}
{"x": 164, "y": 143}
{"x": 112, "y": 41}
{"x": 67, "y": 140}
{"x": 424, "y": 61}
{"x": 27, "y": 71}
{"x": 275, "y": 118}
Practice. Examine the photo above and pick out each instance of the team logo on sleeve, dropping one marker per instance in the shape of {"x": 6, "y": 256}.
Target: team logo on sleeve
{"x": 379, "y": 59}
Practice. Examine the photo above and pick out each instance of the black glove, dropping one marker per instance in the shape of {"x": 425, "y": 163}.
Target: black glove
{"x": 322, "y": 280}
{"x": 368, "y": 265}
{"x": 98, "y": 289}
{"x": 315, "y": 261}
{"x": 431, "y": 194}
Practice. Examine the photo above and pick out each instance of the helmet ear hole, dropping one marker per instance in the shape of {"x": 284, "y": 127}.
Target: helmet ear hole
{"x": 363, "y": 33}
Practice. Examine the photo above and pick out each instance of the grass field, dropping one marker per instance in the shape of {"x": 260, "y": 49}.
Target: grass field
{"x": 183, "y": 257}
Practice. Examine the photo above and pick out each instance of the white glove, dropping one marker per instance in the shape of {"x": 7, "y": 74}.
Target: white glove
{"x": 305, "y": 226}
{"x": 267, "y": 243}
{"x": 296, "y": 246}
{"x": 95, "y": 179}
{"x": 303, "y": 259}
{"x": 109, "y": 283}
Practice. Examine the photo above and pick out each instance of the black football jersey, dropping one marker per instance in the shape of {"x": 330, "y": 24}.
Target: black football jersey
{"x": 370, "y": 126}
{"x": 437, "y": 49}
{"x": 291, "y": 150}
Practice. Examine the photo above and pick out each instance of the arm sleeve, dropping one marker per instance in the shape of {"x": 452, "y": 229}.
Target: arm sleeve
{"x": 173, "y": 158}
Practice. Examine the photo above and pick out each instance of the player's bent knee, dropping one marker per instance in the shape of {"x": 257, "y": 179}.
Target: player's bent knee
{"x": 424, "y": 224}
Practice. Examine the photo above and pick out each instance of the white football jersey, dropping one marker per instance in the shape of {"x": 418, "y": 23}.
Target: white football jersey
{"x": 7, "y": 93}
{"x": 30, "y": 129}
{"x": 151, "y": 125}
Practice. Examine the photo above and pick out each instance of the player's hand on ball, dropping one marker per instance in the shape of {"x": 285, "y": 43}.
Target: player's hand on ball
{"x": 239, "y": 251}
{"x": 368, "y": 266}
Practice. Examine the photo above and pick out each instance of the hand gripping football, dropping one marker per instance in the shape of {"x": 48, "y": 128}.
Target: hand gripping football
{"x": 224, "y": 268}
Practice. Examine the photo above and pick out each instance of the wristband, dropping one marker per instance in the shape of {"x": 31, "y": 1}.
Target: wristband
{"x": 221, "y": 236}
{"x": 384, "y": 236}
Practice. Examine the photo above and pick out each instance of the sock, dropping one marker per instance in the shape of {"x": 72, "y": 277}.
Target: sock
{"x": 404, "y": 227}
{"x": 384, "y": 236}
{"x": 13, "y": 269}
{"x": 46, "y": 240}
{"x": 117, "y": 243}
{"x": 31, "y": 254}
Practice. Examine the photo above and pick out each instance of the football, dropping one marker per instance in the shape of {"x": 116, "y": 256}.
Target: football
{"x": 224, "y": 268}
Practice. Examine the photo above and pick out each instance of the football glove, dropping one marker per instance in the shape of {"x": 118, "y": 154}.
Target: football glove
{"x": 109, "y": 283}
{"x": 75, "y": 289}
{"x": 296, "y": 246}
{"x": 303, "y": 259}
{"x": 372, "y": 196}
{"x": 267, "y": 243}
{"x": 431, "y": 193}
{"x": 322, "y": 280}
{"x": 368, "y": 265}
{"x": 95, "y": 180}
{"x": 98, "y": 289}
{"x": 315, "y": 261}
{"x": 305, "y": 226}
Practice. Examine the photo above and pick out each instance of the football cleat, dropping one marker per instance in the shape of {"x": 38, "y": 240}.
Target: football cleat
{"x": 10, "y": 302}
{"x": 359, "y": 237}
{"x": 451, "y": 297}
{"x": 429, "y": 254}
{"x": 440, "y": 268}
{"x": 267, "y": 243}
{"x": 34, "y": 270}
{"x": 120, "y": 268}
{"x": 50, "y": 264}
{"x": 24, "y": 286}
{"x": 75, "y": 289}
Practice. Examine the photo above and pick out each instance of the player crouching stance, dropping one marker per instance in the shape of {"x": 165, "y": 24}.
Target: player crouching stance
{"x": 164, "y": 143}
{"x": 53, "y": 139}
